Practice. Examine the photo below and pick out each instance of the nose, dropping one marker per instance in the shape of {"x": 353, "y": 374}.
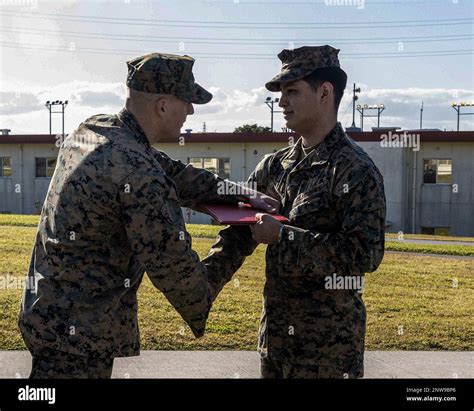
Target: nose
{"x": 282, "y": 103}
{"x": 190, "y": 109}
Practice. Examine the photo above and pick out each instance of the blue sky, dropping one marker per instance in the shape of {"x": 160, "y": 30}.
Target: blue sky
{"x": 76, "y": 50}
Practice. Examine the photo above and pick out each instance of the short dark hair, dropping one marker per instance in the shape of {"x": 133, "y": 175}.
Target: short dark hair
{"x": 333, "y": 75}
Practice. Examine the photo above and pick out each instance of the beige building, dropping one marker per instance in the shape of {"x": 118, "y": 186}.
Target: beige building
{"x": 429, "y": 187}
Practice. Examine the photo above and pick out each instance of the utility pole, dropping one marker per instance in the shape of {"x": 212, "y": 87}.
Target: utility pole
{"x": 270, "y": 102}
{"x": 421, "y": 116}
{"x": 361, "y": 109}
{"x": 457, "y": 107}
{"x": 49, "y": 105}
{"x": 354, "y": 98}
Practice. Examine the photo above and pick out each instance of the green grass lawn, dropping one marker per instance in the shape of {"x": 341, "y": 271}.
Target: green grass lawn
{"x": 449, "y": 249}
{"x": 210, "y": 231}
{"x": 413, "y": 302}
{"x": 19, "y": 220}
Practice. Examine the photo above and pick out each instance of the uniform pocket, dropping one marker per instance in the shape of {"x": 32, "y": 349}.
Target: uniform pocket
{"x": 171, "y": 211}
{"x": 311, "y": 202}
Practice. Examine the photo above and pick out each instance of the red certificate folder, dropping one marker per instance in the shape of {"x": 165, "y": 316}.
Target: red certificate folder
{"x": 235, "y": 215}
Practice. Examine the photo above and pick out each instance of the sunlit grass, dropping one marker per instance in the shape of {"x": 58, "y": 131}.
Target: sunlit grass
{"x": 413, "y": 302}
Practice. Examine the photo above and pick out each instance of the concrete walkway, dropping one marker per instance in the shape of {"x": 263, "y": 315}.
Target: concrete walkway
{"x": 245, "y": 364}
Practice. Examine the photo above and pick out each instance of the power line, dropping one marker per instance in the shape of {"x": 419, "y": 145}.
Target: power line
{"x": 317, "y": 3}
{"x": 246, "y": 56}
{"x": 22, "y": 13}
{"x": 234, "y": 25}
{"x": 346, "y": 109}
{"x": 194, "y": 40}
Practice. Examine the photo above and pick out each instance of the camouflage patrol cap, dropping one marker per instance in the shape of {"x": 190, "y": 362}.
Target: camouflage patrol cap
{"x": 166, "y": 74}
{"x": 300, "y": 62}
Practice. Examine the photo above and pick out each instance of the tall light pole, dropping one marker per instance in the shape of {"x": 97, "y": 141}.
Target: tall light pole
{"x": 50, "y": 105}
{"x": 354, "y": 99}
{"x": 457, "y": 107}
{"x": 270, "y": 102}
{"x": 362, "y": 108}
{"x": 421, "y": 116}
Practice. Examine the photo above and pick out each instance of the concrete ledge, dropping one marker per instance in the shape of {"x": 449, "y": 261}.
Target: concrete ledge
{"x": 246, "y": 364}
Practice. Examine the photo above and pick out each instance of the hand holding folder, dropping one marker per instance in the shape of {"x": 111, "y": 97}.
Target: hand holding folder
{"x": 242, "y": 214}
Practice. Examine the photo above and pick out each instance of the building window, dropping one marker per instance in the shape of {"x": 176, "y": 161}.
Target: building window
{"x": 219, "y": 166}
{"x": 5, "y": 166}
{"x": 435, "y": 230}
{"x": 45, "y": 166}
{"x": 437, "y": 171}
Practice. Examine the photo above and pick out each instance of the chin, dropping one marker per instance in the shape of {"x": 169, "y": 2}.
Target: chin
{"x": 291, "y": 125}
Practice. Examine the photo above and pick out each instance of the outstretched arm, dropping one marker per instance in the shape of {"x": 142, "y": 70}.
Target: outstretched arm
{"x": 195, "y": 186}
{"x": 234, "y": 243}
{"x": 157, "y": 235}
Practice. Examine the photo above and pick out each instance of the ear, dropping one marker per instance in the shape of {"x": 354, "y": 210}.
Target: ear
{"x": 327, "y": 90}
{"x": 160, "y": 107}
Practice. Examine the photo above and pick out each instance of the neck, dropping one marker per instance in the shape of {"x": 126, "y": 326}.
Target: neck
{"x": 318, "y": 134}
{"x": 148, "y": 129}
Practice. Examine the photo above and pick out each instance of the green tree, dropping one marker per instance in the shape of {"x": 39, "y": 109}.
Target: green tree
{"x": 251, "y": 128}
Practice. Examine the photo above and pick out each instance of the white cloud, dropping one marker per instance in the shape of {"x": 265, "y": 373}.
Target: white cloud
{"x": 235, "y": 101}
{"x": 94, "y": 98}
{"x": 435, "y": 96}
{"x": 22, "y": 107}
{"x": 14, "y": 102}
{"x": 80, "y": 93}
{"x": 402, "y": 107}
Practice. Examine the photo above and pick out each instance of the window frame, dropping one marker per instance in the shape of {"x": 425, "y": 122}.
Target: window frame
{"x": 202, "y": 160}
{"x": 46, "y": 166}
{"x": 437, "y": 168}
{"x": 435, "y": 233}
{"x": 2, "y": 167}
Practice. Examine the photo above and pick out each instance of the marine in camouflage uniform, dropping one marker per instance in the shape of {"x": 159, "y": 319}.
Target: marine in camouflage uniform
{"x": 112, "y": 211}
{"x": 334, "y": 198}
